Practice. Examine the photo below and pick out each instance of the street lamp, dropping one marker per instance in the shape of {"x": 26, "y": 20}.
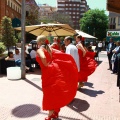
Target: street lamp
{"x": 88, "y": 30}
{"x": 23, "y": 40}
{"x": 94, "y": 32}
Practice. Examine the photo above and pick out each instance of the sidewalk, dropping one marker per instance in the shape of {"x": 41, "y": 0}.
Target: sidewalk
{"x": 97, "y": 100}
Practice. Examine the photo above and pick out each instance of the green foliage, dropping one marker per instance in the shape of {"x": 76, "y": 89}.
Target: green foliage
{"x": 95, "y": 22}
{"x": 57, "y": 18}
{"x": 7, "y": 32}
{"x": 2, "y": 48}
{"x": 33, "y": 15}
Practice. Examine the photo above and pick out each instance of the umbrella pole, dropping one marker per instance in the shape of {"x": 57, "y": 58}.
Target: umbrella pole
{"x": 23, "y": 41}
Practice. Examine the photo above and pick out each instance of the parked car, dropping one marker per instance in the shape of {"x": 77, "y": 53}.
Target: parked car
{"x": 29, "y": 47}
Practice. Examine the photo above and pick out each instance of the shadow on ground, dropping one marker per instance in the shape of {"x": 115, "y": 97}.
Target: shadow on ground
{"x": 26, "y": 110}
{"x": 33, "y": 84}
{"x": 91, "y": 93}
{"x": 88, "y": 84}
{"x": 79, "y": 105}
{"x": 99, "y": 62}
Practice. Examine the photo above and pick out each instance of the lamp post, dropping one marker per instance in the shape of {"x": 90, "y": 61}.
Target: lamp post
{"x": 23, "y": 41}
{"x": 88, "y": 30}
{"x": 94, "y": 32}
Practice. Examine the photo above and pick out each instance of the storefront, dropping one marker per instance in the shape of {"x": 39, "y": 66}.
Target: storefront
{"x": 113, "y": 34}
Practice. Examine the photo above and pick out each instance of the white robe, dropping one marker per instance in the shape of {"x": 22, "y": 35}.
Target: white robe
{"x": 73, "y": 51}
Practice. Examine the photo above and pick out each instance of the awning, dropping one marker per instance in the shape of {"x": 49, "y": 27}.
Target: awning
{"x": 113, "y": 5}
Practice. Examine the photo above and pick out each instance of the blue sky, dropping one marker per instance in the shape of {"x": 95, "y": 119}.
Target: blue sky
{"x": 100, "y": 4}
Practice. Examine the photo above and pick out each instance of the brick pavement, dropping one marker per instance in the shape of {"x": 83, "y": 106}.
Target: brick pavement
{"x": 97, "y": 100}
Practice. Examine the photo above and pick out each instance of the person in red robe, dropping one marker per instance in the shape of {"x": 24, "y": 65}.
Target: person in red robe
{"x": 59, "y": 77}
{"x": 87, "y": 62}
{"x": 56, "y": 43}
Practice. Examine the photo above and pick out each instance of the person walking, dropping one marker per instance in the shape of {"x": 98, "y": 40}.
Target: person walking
{"x": 59, "y": 77}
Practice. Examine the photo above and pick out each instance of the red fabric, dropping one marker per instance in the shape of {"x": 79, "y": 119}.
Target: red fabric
{"x": 55, "y": 46}
{"x": 59, "y": 80}
{"x": 87, "y": 65}
{"x": 62, "y": 51}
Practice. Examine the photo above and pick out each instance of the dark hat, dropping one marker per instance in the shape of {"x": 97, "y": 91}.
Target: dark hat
{"x": 76, "y": 34}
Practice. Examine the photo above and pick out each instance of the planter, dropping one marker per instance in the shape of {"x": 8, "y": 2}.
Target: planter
{"x": 5, "y": 64}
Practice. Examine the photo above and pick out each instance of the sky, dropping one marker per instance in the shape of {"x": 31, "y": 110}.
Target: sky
{"x": 100, "y": 4}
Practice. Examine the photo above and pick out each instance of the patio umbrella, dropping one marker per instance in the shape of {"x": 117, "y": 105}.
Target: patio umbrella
{"x": 49, "y": 29}
{"x": 85, "y": 35}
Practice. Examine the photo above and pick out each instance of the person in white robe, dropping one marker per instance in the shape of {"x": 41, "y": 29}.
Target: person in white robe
{"x": 72, "y": 50}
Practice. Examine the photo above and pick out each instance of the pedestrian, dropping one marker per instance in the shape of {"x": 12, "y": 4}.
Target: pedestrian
{"x": 109, "y": 49}
{"x": 114, "y": 58}
{"x": 59, "y": 77}
{"x": 72, "y": 50}
{"x": 87, "y": 62}
{"x": 100, "y": 46}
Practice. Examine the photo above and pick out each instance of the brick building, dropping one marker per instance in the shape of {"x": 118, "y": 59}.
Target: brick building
{"x": 75, "y": 9}
{"x": 10, "y": 8}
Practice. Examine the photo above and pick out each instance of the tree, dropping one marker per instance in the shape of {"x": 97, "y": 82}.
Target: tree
{"x": 57, "y": 17}
{"x": 32, "y": 14}
{"x": 95, "y": 22}
{"x": 7, "y": 32}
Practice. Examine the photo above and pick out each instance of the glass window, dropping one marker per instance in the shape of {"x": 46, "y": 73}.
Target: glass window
{"x": 119, "y": 20}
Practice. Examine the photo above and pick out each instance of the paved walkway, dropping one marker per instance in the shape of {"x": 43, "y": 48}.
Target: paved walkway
{"x": 97, "y": 100}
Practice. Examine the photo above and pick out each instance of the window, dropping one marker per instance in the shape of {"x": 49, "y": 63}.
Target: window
{"x": 7, "y": 13}
{"x": 12, "y": 15}
{"x": 114, "y": 19}
{"x": 7, "y": 2}
{"x": 11, "y": 4}
{"x": 61, "y": 4}
{"x": 82, "y": 5}
{"x": 119, "y": 20}
{"x": 60, "y": 8}
{"x": 82, "y": 9}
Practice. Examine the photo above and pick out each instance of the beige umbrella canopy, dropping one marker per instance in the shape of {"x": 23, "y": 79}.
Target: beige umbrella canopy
{"x": 49, "y": 29}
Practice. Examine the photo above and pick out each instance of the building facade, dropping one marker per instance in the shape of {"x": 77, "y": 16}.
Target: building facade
{"x": 114, "y": 26}
{"x": 46, "y": 11}
{"x": 10, "y": 8}
{"x": 114, "y": 20}
{"x": 74, "y": 8}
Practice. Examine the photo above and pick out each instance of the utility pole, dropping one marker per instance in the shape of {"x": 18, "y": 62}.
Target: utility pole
{"x": 23, "y": 40}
